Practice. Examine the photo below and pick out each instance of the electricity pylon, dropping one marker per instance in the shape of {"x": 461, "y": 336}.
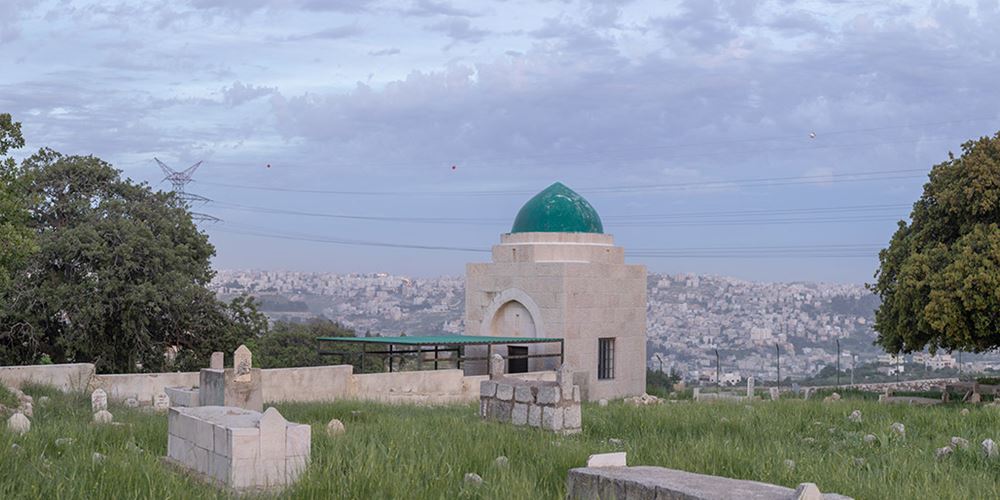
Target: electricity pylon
{"x": 179, "y": 179}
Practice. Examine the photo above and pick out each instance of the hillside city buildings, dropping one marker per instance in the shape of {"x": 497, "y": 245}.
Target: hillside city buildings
{"x": 689, "y": 317}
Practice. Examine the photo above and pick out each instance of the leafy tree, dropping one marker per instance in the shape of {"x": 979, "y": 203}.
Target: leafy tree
{"x": 119, "y": 278}
{"x": 939, "y": 279}
{"x": 290, "y": 344}
{"x": 660, "y": 383}
{"x": 14, "y": 231}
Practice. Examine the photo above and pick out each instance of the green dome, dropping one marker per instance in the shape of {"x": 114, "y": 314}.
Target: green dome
{"x": 557, "y": 209}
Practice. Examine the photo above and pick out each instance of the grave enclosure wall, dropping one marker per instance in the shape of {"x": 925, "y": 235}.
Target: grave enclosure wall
{"x": 305, "y": 384}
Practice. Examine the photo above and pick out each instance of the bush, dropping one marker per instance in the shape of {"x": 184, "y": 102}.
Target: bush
{"x": 294, "y": 344}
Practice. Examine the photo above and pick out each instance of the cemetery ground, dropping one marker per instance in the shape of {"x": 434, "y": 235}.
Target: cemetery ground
{"x": 425, "y": 452}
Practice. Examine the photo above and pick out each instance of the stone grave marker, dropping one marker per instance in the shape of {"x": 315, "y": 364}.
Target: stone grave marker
{"x": 98, "y": 400}
{"x": 161, "y": 402}
{"x": 774, "y": 393}
{"x": 497, "y": 366}
{"x": 564, "y": 377}
{"x": 242, "y": 363}
{"x": 750, "y": 383}
{"x": 218, "y": 361}
{"x": 18, "y": 423}
{"x": 103, "y": 417}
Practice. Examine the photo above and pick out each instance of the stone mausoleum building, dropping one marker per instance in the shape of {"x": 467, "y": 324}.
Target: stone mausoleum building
{"x": 558, "y": 275}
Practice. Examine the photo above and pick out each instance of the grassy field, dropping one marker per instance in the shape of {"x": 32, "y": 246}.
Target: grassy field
{"x": 410, "y": 452}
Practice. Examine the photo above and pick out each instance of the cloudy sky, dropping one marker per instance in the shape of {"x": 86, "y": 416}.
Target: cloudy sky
{"x": 768, "y": 140}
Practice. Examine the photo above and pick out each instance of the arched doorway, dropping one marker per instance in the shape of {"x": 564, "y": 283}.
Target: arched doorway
{"x": 513, "y": 319}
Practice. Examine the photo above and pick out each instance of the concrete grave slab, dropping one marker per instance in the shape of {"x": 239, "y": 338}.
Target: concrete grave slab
{"x": 238, "y": 448}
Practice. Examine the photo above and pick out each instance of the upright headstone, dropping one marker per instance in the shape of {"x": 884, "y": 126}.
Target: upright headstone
{"x": 103, "y": 417}
{"x": 218, "y": 361}
{"x": 242, "y": 363}
{"x": 564, "y": 377}
{"x": 750, "y": 382}
{"x": 497, "y": 366}
{"x": 98, "y": 400}
{"x": 697, "y": 393}
{"x": 796, "y": 389}
{"x": 774, "y": 393}
{"x": 161, "y": 402}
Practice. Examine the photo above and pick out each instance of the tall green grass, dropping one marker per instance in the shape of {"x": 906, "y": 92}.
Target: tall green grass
{"x": 415, "y": 452}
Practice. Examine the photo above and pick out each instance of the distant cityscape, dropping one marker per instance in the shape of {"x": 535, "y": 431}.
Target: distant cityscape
{"x": 703, "y": 327}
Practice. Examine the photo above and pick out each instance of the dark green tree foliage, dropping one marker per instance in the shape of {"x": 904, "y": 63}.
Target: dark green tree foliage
{"x": 119, "y": 278}
{"x": 294, "y": 344}
{"x": 16, "y": 242}
{"x": 939, "y": 279}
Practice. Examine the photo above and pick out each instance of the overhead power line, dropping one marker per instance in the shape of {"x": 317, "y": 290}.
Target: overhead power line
{"x": 250, "y": 231}
{"x": 835, "y": 250}
{"x": 867, "y": 176}
{"x": 836, "y": 214}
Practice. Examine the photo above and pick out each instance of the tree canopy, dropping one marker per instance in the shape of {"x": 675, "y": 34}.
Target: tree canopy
{"x": 939, "y": 278}
{"x": 17, "y": 238}
{"x": 118, "y": 278}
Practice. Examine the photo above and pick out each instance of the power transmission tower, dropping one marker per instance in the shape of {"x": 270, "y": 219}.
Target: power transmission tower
{"x": 179, "y": 179}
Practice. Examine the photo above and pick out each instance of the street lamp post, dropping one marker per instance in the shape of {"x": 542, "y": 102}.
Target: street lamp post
{"x": 718, "y": 369}
{"x": 854, "y": 361}
{"x": 838, "y": 362}
{"x": 777, "y": 349}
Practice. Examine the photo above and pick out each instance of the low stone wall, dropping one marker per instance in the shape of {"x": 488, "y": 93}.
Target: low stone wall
{"x": 423, "y": 387}
{"x": 324, "y": 383}
{"x": 595, "y": 483}
{"x": 142, "y": 386}
{"x": 65, "y": 377}
{"x": 553, "y": 406}
{"x": 304, "y": 384}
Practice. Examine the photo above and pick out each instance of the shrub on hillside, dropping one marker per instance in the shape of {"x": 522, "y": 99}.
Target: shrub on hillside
{"x": 294, "y": 344}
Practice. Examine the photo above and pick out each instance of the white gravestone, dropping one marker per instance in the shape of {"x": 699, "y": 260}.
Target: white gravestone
{"x": 750, "y": 382}
{"x": 161, "y": 402}
{"x": 98, "y": 400}
{"x": 774, "y": 393}
{"x": 217, "y": 362}
{"x": 242, "y": 363}
{"x": 497, "y": 366}
{"x": 103, "y": 417}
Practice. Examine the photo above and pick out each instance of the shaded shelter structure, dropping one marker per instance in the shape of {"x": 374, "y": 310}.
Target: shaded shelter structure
{"x": 441, "y": 351}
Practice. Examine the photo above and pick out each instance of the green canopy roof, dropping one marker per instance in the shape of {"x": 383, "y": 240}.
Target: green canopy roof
{"x": 439, "y": 340}
{"x": 557, "y": 209}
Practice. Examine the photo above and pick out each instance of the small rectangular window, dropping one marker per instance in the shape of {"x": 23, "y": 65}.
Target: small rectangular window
{"x": 605, "y": 358}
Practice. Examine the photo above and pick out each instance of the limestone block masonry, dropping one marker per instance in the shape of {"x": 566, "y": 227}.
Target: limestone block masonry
{"x": 238, "y": 448}
{"x": 574, "y": 286}
{"x": 532, "y": 403}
